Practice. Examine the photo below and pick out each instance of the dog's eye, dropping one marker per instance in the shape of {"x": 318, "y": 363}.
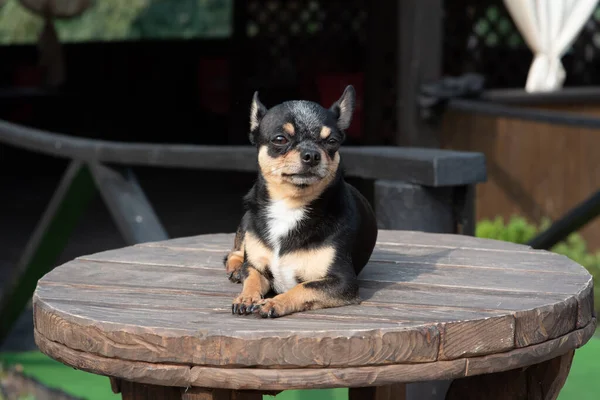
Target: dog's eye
{"x": 332, "y": 141}
{"x": 279, "y": 140}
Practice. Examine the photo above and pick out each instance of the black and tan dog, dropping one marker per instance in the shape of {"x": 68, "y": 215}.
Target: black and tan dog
{"x": 306, "y": 233}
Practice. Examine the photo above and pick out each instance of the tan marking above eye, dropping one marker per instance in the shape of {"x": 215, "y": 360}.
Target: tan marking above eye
{"x": 289, "y": 128}
{"x": 325, "y": 132}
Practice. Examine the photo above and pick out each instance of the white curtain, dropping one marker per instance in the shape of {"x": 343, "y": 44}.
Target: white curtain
{"x": 549, "y": 27}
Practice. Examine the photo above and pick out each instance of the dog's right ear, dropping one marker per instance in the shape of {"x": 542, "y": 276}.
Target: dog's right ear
{"x": 257, "y": 112}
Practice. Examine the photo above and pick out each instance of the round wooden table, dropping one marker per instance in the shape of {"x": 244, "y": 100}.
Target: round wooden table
{"x": 156, "y": 317}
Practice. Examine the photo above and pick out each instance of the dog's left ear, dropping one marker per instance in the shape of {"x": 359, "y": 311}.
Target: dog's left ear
{"x": 344, "y": 107}
{"x": 257, "y": 112}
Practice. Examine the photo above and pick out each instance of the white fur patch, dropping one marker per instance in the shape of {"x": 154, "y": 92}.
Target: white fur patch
{"x": 282, "y": 220}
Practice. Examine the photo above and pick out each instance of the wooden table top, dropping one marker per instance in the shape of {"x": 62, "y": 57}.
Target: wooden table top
{"x": 434, "y": 307}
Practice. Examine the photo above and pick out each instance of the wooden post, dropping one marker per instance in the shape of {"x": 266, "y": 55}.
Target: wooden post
{"x": 126, "y": 202}
{"x": 396, "y": 391}
{"x": 381, "y": 45}
{"x": 405, "y": 206}
{"x": 419, "y": 61}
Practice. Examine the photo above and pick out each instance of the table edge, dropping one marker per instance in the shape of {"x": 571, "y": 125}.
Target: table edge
{"x": 313, "y": 378}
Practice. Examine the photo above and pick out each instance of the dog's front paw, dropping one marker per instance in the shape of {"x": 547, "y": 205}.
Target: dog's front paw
{"x": 271, "y": 308}
{"x": 233, "y": 266}
{"x": 246, "y": 304}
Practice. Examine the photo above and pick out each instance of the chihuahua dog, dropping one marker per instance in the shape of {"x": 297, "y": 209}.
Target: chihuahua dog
{"x": 306, "y": 233}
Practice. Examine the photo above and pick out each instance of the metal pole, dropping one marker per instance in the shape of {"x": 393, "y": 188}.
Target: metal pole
{"x": 571, "y": 222}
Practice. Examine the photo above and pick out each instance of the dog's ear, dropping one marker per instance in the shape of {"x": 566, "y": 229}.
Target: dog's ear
{"x": 344, "y": 107}
{"x": 257, "y": 112}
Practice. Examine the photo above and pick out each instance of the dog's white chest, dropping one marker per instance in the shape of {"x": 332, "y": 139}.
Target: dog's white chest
{"x": 282, "y": 220}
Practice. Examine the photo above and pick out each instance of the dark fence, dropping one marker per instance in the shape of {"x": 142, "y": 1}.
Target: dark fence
{"x": 481, "y": 37}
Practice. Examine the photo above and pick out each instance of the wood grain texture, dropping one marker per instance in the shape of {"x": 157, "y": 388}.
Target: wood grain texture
{"x": 532, "y": 354}
{"x": 486, "y": 336}
{"x": 564, "y": 173}
{"x": 426, "y": 298}
{"x": 313, "y": 378}
{"x": 543, "y": 323}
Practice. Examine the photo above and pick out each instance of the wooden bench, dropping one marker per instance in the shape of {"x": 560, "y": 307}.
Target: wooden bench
{"x": 156, "y": 318}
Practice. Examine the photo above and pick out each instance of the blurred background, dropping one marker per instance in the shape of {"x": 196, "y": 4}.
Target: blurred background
{"x": 183, "y": 71}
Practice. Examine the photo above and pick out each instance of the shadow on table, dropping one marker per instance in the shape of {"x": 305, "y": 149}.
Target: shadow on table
{"x": 389, "y": 270}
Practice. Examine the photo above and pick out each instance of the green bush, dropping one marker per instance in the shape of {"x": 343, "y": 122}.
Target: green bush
{"x": 519, "y": 230}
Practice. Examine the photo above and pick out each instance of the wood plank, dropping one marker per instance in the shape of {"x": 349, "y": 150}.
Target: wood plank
{"x": 174, "y": 300}
{"x": 403, "y": 238}
{"x": 209, "y": 320}
{"x": 543, "y": 323}
{"x": 537, "y": 317}
{"x": 284, "y": 379}
{"x": 489, "y": 279}
{"x": 585, "y": 302}
{"x": 213, "y": 241}
{"x": 486, "y": 336}
{"x": 162, "y": 256}
{"x": 250, "y": 378}
{"x": 530, "y": 355}
{"x": 192, "y": 338}
{"x": 527, "y": 261}
{"x": 400, "y": 264}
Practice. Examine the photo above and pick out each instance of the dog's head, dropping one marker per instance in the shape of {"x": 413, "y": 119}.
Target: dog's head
{"x": 298, "y": 142}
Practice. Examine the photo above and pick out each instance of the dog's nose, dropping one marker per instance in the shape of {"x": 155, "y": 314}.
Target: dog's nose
{"x": 311, "y": 157}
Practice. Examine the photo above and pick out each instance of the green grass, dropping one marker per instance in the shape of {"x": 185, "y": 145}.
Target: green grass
{"x": 582, "y": 384}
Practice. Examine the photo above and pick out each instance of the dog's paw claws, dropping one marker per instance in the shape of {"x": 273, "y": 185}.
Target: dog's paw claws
{"x": 267, "y": 309}
{"x": 244, "y": 305}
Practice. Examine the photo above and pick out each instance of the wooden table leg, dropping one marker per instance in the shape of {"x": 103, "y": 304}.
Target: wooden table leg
{"x": 396, "y": 391}
{"x": 140, "y": 391}
{"x": 220, "y": 394}
{"x": 539, "y": 382}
